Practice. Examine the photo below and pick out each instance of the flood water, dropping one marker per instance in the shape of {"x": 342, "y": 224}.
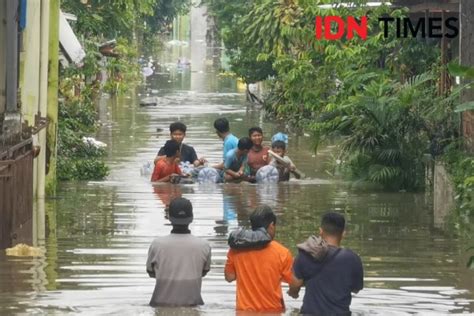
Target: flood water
{"x": 97, "y": 233}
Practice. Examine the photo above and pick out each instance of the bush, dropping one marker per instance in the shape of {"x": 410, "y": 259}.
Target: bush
{"x": 81, "y": 169}
{"x": 461, "y": 168}
{"x": 78, "y": 160}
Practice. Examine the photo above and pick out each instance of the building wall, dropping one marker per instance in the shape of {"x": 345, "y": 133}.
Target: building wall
{"x": 30, "y": 63}
{"x": 23, "y": 177}
{"x": 52, "y": 98}
{"x": 466, "y": 56}
{"x": 2, "y": 60}
{"x": 443, "y": 195}
{"x": 33, "y": 82}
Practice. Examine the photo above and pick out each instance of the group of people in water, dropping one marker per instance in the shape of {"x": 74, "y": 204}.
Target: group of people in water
{"x": 258, "y": 263}
{"x": 255, "y": 260}
{"x": 241, "y": 161}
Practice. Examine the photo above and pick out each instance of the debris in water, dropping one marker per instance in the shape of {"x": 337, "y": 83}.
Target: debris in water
{"x": 149, "y": 102}
{"x": 93, "y": 142}
{"x": 23, "y": 250}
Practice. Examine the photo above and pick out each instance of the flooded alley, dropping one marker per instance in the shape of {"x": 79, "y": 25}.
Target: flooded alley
{"x": 97, "y": 233}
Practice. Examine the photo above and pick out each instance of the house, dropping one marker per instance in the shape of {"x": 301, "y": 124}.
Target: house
{"x": 28, "y": 113}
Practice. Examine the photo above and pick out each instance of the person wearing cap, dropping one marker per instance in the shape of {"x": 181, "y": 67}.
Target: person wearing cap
{"x": 178, "y": 261}
{"x": 260, "y": 270}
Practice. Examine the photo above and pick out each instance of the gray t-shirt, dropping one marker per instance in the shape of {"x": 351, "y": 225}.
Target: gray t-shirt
{"x": 283, "y": 169}
{"x": 177, "y": 262}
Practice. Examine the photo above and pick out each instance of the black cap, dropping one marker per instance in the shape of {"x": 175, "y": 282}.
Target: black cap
{"x": 180, "y": 211}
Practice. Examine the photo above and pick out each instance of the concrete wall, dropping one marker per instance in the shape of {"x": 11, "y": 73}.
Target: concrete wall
{"x": 10, "y": 119}
{"x": 2, "y": 60}
{"x": 30, "y": 63}
{"x": 443, "y": 194}
{"x": 466, "y": 57}
{"x": 34, "y": 81}
{"x": 30, "y": 75}
{"x": 52, "y": 98}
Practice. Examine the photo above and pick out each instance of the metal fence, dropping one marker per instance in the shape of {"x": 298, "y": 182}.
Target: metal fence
{"x": 16, "y": 194}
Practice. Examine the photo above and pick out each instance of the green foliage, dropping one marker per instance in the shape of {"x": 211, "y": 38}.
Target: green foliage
{"x": 467, "y": 106}
{"x": 138, "y": 21}
{"x": 122, "y": 72}
{"x": 470, "y": 262}
{"x": 96, "y": 20}
{"x": 384, "y": 135}
{"x": 241, "y": 50}
{"x": 108, "y": 18}
{"x": 76, "y": 159}
{"x": 466, "y": 73}
{"x": 77, "y": 118}
{"x": 459, "y": 70}
{"x": 162, "y": 15}
{"x": 461, "y": 168}
{"x": 373, "y": 93}
{"x": 81, "y": 169}
{"x": 90, "y": 64}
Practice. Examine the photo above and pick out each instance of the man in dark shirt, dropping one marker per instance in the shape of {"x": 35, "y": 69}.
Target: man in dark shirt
{"x": 178, "y": 132}
{"x": 328, "y": 272}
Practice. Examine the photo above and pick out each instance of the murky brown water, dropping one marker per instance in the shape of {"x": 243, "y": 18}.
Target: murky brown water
{"x": 97, "y": 233}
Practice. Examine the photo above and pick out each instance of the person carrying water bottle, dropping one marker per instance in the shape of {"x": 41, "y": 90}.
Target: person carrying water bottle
{"x": 235, "y": 163}
{"x": 187, "y": 152}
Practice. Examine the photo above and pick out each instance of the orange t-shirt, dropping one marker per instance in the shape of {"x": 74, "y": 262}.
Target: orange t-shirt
{"x": 259, "y": 274}
{"x": 163, "y": 169}
{"x": 255, "y": 159}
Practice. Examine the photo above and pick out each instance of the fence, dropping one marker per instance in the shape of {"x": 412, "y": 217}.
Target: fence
{"x": 16, "y": 194}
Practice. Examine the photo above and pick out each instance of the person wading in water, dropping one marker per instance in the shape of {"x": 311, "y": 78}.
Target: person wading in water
{"x": 178, "y": 261}
{"x": 259, "y": 269}
{"x": 328, "y": 272}
{"x": 258, "y": 154}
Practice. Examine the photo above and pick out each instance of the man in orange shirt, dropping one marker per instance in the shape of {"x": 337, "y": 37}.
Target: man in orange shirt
{"x": 167, "y": 168}
{"x": 259, "y": 270}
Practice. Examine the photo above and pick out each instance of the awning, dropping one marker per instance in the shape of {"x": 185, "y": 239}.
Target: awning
{"x": 70, "y": 45}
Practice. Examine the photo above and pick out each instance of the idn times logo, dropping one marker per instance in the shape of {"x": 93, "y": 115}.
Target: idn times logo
{"x": 335, "y": 27}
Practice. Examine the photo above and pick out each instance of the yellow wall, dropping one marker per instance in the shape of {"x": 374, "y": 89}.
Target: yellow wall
{"x": 33, "y": 81}
{"x": 52, "y": 106}
{"x": 30, "y": 63}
